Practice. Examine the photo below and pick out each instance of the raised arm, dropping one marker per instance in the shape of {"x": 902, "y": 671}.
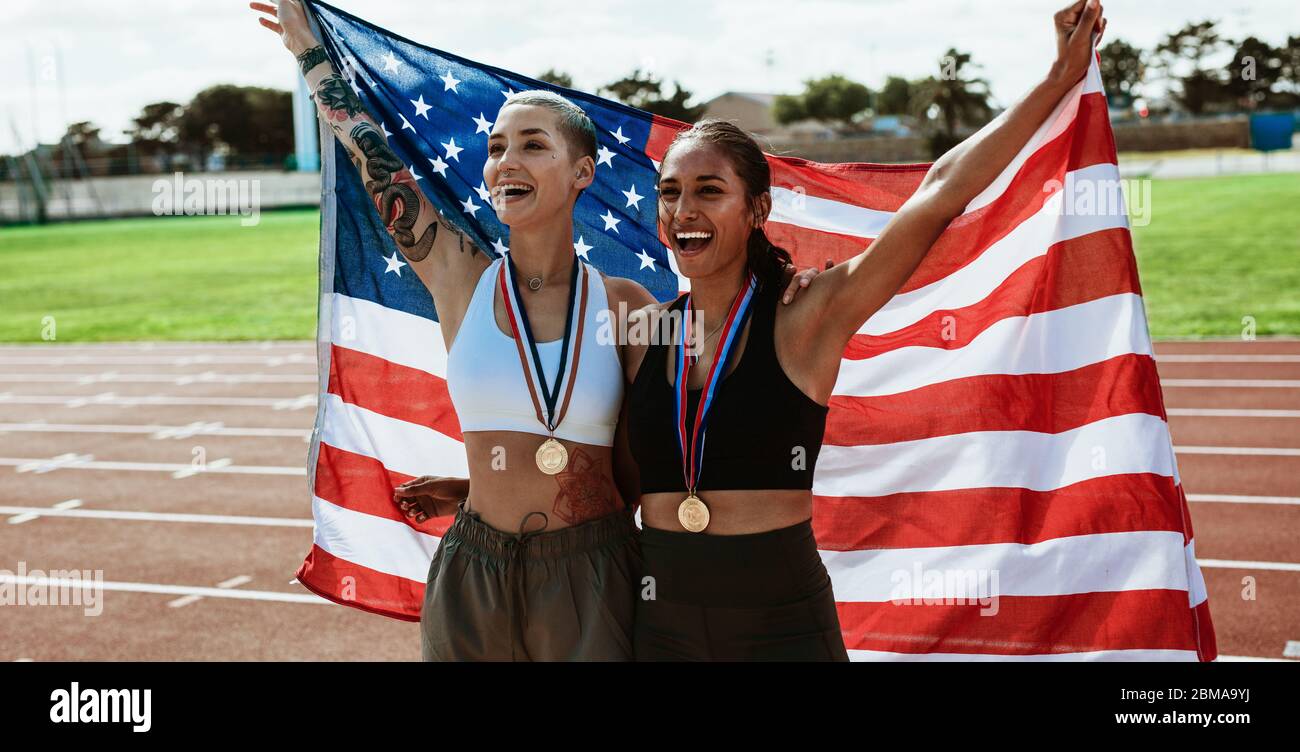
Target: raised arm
{"x": 847, "y": 295}
{"x": 444, "y": 258}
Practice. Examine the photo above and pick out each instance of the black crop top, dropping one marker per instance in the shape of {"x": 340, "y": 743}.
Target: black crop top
{"x": 758, "y": 420}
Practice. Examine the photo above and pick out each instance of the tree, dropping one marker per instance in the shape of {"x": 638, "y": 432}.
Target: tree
{"x": 833, "y": 99}
{"x": 80, "y": 134}
{"x": 953, "y": 100}
{"x": 1123, "y": 69}
{"x": 896, "y": 97}
{"x": 1202, "y": 86}
{"x": 557, "y": 78}
{"x": 252, "y": 123}
{"x": 1291, "y": 69}
{"x": 157, "y": 127}
{"x": 1256, "y": 68}
{"x": 644, "y": 91}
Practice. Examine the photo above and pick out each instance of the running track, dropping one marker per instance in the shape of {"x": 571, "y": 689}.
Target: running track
{"x": 98, "y": 442}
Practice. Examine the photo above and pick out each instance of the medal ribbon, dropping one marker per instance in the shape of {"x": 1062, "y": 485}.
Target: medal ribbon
{"x": 693, "y": 452}
{"x": 534, "y": 374}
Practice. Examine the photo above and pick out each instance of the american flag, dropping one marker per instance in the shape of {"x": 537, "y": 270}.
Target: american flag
{"x": 997, "y": 480}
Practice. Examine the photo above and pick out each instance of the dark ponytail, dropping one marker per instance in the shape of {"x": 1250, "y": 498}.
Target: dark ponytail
{"x": 765, "y": 260}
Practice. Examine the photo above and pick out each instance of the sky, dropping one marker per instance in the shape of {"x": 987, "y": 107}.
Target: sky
{"x": 62, "y": 61}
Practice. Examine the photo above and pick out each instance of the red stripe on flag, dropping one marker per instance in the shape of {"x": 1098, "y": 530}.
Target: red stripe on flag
{"x": 394, "y": 390}
{"x": 348, "y": 584}
{"x": 1045, "y": 402}
{"x": 1025, "y": 625}
{"x": 1126, "y": 503}
{"x": 362, "y": 484}
{"x": 1045, "y": 283}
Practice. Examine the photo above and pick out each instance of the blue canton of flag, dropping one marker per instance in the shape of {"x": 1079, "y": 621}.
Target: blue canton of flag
{"x": 436, "y": 110}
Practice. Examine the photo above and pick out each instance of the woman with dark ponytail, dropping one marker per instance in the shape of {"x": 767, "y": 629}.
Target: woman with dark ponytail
{"x": 726, "y": 541}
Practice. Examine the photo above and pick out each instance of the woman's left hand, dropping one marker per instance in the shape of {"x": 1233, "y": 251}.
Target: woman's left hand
{"x": 800, "y": 279}
{"x": 1075, "y": 26}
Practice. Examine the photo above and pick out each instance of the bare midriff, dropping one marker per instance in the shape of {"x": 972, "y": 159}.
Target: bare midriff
{"x": 506, "y": 484}
{"x": 731, "y": 512}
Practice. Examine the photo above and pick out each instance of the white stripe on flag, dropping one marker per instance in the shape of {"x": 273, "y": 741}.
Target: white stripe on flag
{"x": 1031, "y": 239}
{"x": 395, "y": 336}
{"x": 1146, "y": 560}
{"x": 381, "y": 544}
{"x": 1048, "y": 342}
{"x": 403, "y": 447}
{"x": 1119, "y": 445}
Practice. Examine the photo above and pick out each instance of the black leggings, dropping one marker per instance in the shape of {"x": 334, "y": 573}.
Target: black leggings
{"x": 759, "y": 596}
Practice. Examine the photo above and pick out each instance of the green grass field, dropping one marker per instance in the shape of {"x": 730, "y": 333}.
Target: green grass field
{"x": 1216, "y": 250}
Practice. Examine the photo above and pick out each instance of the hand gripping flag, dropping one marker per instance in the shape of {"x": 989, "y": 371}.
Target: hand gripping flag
{"x": 997, "y": 480}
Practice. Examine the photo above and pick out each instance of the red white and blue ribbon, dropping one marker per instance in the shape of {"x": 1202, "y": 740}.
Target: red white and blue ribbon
{"x": 693, "y": 451}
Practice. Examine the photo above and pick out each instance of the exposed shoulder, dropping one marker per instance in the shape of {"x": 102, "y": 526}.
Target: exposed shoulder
{"x": 626, "y": 291}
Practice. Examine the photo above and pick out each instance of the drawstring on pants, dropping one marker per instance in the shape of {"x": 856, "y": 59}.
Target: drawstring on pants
{"x": 515, "y": 584}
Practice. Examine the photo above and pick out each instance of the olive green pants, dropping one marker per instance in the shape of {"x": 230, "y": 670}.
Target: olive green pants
{"x": 559, "y": 595}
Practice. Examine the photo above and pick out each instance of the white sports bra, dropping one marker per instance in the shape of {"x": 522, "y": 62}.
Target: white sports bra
{"x": 487, "y": 383}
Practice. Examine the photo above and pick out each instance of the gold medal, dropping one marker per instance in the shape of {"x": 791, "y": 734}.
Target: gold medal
{"x": 552, "y": 457}
{"x": 692, "y": 513}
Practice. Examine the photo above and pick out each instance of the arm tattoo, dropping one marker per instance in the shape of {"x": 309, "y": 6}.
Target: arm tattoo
{"x": 586, "y": 492}
{"x": 391, "y": 186}
{"x": 337, "y": 98}
{"x": 312, "y": 58}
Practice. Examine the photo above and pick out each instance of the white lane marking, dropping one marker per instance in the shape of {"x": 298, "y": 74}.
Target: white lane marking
{"x": 1239, "y": 499}
{"x": 1255, "y": 451}
{"x": 109, "y": 398}
{"x": 1292, "y": 649}
{"x": 1193, "y": 412}
{"x": 155, "y": 431}
{"x": 26, "y": 464}
{"x": 1219, "y": 383}
{"x": 1278, "y": 566}
{"x": 157, "y": 360}
{"x": 229, "y": 584}
{"x": 207, "y": 377}
{"x": 1225, "y": 358}
{"x": 27, "y": 514}
{"x": 149, "y": 587}
{"x": 42, "y": 466}
{"x": 192, "y": 470}
{"x": 120, "y": 514}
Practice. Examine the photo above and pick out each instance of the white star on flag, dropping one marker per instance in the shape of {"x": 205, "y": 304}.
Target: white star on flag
{"x": 483, "y": 125}
{"x": 391, "y": 62}
{"x": 469, "y": 206}
{"x": 646, "y": 261}
{"x": 395, "y": 264}
{"x": 384, "y": 128}
{"x": 421, "y": 109}
{"x": 611, "y": 223}
{"x": 507, "y": 93}
{"x": 581, "y": 248}
{"x": 439, "y": 166}
{"x": 500, "y": 247}
{"x": 483, "y": 191}
{"x": 452, "y": 150}
{"x": 633, "y": 198}
{"x": 405, "y": 124}
{"x": 449, "y": 82}
{"x": 414, "y": 174}
{"x": 605, "y": 157}
{"x": 618, "y": 134}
